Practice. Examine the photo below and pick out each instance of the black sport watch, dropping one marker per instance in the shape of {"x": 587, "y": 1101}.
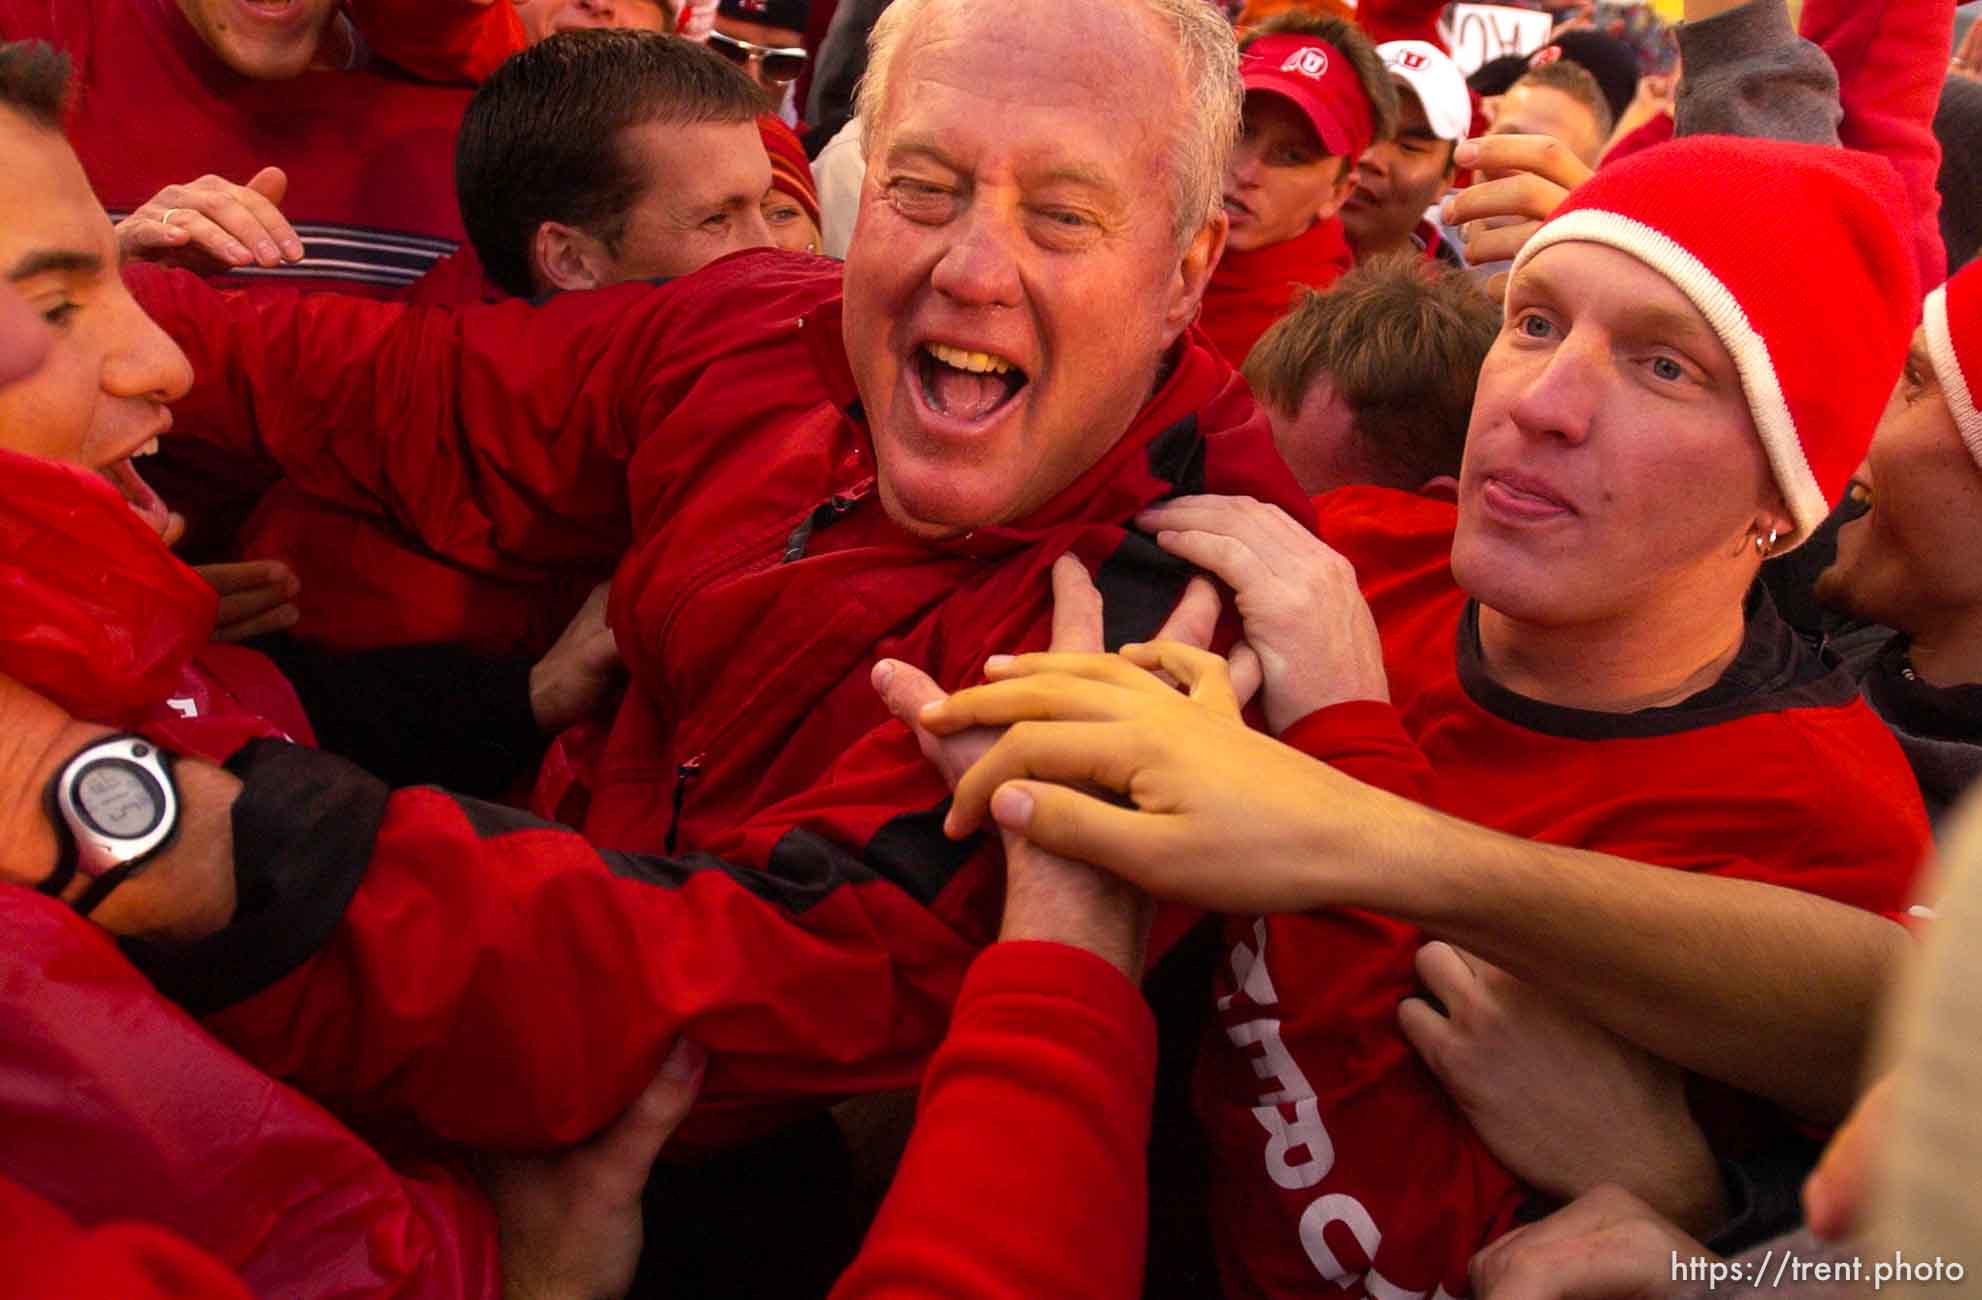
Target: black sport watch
{"x": 115, "y": 807}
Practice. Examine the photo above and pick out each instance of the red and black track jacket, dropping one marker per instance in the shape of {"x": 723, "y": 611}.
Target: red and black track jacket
{"x": 766, "y": 871}
{"x": 116, "y": 1108}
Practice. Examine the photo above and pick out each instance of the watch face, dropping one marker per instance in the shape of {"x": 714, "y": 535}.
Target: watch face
{"x": 119, "y": 798}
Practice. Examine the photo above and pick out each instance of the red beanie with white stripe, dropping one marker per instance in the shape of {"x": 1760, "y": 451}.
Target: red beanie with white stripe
{"x": 1797, "y": 256}
{"x": 1954, "y": 342}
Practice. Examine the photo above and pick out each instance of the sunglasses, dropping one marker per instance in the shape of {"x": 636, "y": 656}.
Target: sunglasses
{"x": 781, "y": 63}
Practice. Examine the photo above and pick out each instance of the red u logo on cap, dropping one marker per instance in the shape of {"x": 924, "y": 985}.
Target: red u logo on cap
{"x": 1309, "y": 62}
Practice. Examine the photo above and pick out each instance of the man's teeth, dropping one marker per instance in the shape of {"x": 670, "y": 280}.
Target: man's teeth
{"x": 979, "y": 363}
{"x": 149, "y": 449}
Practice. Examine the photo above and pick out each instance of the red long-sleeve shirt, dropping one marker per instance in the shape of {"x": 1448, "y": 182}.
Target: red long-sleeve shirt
{"x": 1339, "y": 1157}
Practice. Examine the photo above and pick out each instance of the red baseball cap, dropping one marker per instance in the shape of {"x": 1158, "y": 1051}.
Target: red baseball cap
{"x": 1320, "y": 79}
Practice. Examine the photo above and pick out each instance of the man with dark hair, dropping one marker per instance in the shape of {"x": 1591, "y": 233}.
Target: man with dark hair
{"x": 1399, "y": 180}
{"x": 600, "y": 156}
{"x": 1372, "y": 381}
{"x": 590, "y": 158}
{"x": 1317, "y": 97}
{"x": 766, "y": 38}
{"x": 34, "y": 82}
{"x": 1559, "y": 99}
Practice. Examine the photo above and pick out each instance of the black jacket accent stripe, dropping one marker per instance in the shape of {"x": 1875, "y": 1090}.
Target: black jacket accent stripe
{"x": 304, "y": 826}
{"x": 912, "y": 851}
{"x": 804, "y": 870}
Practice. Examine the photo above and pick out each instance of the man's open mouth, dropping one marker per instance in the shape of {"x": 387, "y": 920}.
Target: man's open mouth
{"x": 965, "y": 385}
{"x": 123, "y": 476}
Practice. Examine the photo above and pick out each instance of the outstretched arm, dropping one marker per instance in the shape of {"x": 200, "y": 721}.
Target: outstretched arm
{"x": 1765, "y": 988}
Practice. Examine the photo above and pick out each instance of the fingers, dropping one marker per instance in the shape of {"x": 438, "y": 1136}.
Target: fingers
{"x": 277, "y": 618}
{"x": 1069, "y": 753}
{"x": 1446, "y": 972}
{"x": 1236, "y": 563}
{"x": 248, "y": 576}
{"x": 1248, "y": 674}
{"x": 249, "y": 224}
{"x": 255, "y": 598}
{"x": 1426, "y": 1031}
{"x": 1242, "y": 517}
{"x": 1543, "y": 156}
{"x": 1076, "y": 608}
{"x": 1243, "y": 541}
{"x": 1051, "y": 698}
{"x": 1202, "y": 674}
{"x": 149, "y": 238}
{"x": 1521, "y": 196}
{"x": 1498, "y": 243}
{"x": 1061, "y": 688}
{"x": 237, "y": 225}
{"x": 272, "y": 183}
{"x": 622, "y": 1155}
{"x": 1079, "y": 826}
{"x": 906, "y": 690}
{"x": 1195, "y": 619}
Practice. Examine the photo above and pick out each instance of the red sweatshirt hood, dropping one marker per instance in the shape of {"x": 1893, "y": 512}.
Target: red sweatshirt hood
{"x": 101, "y": 617}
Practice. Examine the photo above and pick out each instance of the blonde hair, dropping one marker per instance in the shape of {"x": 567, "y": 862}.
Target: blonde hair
{"x": 1208, "y": 59}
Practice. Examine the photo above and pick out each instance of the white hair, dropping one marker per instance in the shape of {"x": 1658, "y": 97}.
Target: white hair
{"x": 1208, "y": 64}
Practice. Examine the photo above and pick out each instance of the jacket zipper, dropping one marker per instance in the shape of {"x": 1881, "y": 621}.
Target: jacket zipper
{"x": 684, "y": 776}
{"x": 737, "y": 561}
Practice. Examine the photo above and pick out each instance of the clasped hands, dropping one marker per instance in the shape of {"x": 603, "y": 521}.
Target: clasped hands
{"x": 1194, "y": 806}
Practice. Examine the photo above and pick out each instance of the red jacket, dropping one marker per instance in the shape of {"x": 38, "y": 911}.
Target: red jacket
{"x": 367, "y": 584}
{"x": 114, "y": 1105}
{"x": 1338, "y": 1156}
{"x": 1047, "y": 1041}
{"x": 811, "y": 923}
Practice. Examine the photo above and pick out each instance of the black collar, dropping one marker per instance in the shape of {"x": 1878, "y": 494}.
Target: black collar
{"x": 1775, "y": 670}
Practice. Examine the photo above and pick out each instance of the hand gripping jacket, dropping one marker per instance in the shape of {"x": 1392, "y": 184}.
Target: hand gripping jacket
{"x": 114, "y": 1104}
{"x": 808, "y": 923}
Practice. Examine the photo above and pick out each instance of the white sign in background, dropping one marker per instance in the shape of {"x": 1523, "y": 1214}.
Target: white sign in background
{"x": 1480, "y": 34}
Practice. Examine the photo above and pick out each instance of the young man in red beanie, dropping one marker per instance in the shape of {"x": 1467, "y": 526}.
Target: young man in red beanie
{"x": 1317, "y": 97}
{"x": 1908, "y": 561}
{"x": 1656, "y": 804}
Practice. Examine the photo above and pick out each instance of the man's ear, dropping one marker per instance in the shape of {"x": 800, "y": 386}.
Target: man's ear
{"x": 1339, "y": 192}
{"x": 1440, "y": 487}
{"x": 565, "y": 257}
{"x": 1194, "y": 270}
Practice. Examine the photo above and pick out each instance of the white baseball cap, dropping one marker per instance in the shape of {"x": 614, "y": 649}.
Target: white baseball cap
{"x": 1435, "y": 79}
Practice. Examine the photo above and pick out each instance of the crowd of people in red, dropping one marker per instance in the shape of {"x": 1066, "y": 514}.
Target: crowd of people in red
{"x": 946, "y": 648}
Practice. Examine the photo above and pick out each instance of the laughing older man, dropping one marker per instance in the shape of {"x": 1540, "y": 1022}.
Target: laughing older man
{"x": 804, "y": 476}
